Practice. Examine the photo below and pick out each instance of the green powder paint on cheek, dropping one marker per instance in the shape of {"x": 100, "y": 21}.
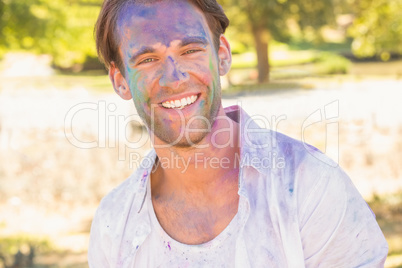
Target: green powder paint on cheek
{"x": 211, "y": 65}
{"x": 132, "y": 79}
{"x": 138, "y": 92}
{"x": 140, "y": 97}
{"x": 135, "y": 85}
{"x": 212, "y": 70}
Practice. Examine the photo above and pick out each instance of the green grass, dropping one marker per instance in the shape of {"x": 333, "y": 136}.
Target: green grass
{"x": 93, "y": 80}
{"x": 258, "y": 88}
{"x": 282, "y": 55}
{"x": 45, "y": 254}
{"x": 278, "y": 58}
{"x": 97, "y": 81}
{"x": 324, "y": 46}
{"x": 11, "y": 246}
{"x": 293, "y": 53}
{"x": 330, "y": 63}
{"x": 388, "y": 210}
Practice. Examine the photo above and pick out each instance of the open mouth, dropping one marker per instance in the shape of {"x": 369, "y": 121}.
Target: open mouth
{"x": 181, "y": 103}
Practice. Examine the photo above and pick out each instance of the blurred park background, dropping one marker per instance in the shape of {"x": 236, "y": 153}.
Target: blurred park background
{"x": 330, "y": 70}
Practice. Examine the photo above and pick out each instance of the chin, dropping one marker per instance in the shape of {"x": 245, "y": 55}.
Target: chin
{"x": 187, "y": 141}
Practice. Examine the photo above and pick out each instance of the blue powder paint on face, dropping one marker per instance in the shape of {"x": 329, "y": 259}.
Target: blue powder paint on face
{"x": 147, "y": 12}
{"x": 175, "y": 73}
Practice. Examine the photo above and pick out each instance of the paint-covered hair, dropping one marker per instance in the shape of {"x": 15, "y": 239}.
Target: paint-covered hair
{"x": 107, "y": 41}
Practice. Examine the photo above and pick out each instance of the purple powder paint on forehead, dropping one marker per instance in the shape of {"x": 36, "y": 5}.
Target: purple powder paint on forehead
{"x": 175, "y": 20}
{"x": 134, "y": 7}
{"x": 147, "y": 12}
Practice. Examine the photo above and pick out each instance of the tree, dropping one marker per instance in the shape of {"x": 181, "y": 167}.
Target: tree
{"x": 377, "y": 28}
{"x": 61, "y": 28}
{"x": 267, "y": 19}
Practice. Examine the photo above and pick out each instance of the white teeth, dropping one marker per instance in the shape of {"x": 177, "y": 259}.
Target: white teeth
{"x": 180, "y": 104}
{"x": 183, "y": 102}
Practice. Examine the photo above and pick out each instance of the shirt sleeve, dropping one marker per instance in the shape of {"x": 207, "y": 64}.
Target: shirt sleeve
{"x": 337, "y": 227}
{"x": 98, "y": 245}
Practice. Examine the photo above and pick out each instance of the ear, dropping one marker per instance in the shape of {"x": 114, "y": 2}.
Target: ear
{"x": 224, "y": 55}
{"x": 119, "y": 82}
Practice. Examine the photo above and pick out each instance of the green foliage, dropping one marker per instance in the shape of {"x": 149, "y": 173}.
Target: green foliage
{"x": 281, "y": 18}
{"x": 12, "y": 246}
{"x": 61, "y": 28}
{"x": 259, "y": 21}
{"x": 330, "y": 63}
{"x": 327, "y": 46}
{"x": 281, "y": 55}
{"x": 377, "y": 29}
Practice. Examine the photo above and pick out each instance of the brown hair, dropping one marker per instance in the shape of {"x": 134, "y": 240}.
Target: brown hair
{"x": 107, "y": 42}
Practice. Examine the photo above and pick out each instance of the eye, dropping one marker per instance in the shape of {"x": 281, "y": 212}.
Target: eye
{"x": 191, "y": 51}
{"x": 147, "y": 60}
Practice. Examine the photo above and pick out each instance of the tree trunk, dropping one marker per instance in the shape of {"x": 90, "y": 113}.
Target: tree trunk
{"x": 261, "y": 38}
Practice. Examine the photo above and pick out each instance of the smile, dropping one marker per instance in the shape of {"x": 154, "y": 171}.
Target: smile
{"x": 179, "y": 104}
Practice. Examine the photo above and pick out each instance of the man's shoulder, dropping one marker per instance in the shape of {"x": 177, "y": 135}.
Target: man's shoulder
{"x": 307, "y": 171}
{"x": 296, "y": 164}
{"x": 291, "y": 151}
{"x": 304, "y": 159}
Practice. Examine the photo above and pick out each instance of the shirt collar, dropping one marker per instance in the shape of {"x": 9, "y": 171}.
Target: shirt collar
{"x": 256, "y": 143}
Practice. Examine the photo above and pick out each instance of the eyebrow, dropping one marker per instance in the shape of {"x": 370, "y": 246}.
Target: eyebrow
{"x": 185, "y": 42}
{"x": 141, "y": 51}
{"x": 193, "y": 40}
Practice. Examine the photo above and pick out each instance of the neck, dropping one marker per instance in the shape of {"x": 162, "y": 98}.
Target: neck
{"x": 200, "y": 168}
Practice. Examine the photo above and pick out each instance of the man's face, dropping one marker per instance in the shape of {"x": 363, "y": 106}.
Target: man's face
{"x": 172, "y": 69}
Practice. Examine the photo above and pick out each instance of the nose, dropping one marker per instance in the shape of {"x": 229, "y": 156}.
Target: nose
{"x": 172, "y": 76}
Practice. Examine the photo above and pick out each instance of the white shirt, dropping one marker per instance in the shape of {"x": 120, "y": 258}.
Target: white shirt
{"x": 160, "y": 250}
{"x": 300, "y": 210}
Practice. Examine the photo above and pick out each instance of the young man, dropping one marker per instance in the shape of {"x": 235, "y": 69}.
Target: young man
{"x": 209, "y": 199}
